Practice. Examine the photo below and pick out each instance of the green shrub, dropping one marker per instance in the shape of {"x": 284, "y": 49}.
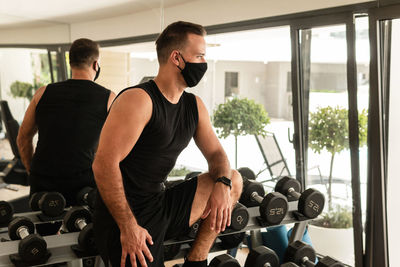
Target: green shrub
{"x": 340, "y": 217}
{"x": 240, "y": 116}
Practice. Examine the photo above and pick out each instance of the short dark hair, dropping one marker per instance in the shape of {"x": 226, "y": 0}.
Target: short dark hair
{"x": 175, "y": 37}
{"x": 83, "y": 52}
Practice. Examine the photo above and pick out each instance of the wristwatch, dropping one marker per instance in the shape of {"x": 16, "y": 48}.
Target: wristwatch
{"x": 225, "y": 181}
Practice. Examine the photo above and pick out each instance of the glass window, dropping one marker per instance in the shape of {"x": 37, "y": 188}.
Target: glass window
{"x": 22, "y": 72}
{"x": 324, "y": 75}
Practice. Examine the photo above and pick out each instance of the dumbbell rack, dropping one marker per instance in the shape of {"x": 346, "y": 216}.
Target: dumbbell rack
{"x": 34, "y": 216}
{"x": 60, "y": 245}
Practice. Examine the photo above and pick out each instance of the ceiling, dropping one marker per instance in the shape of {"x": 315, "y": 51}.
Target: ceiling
{"x": 28, "y": 13}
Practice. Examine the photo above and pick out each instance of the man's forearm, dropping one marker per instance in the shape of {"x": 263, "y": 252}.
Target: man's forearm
{"x": 25, "y": 148}
{"x": 111, "y": 189}
{"x": 219, "y": 166}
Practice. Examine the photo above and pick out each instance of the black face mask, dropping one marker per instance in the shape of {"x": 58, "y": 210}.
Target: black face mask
{"x": 97, "y": 72}
{"x": 193, "y": 72}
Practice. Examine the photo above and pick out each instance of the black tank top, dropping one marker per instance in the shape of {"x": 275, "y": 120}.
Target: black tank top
{"x": 69, "y": 116}
{"x": 169, "y": 131}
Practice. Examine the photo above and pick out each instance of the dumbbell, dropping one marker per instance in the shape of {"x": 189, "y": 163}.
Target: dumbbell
{"x": 6, "y": 212}
{"x": 262, "y": 257}
{"x": 247, "y": 172}
{"x": 273, "y": 207}
{"x": 239, "y": 219}
{"x": 232, "y": 240}
{"x": 52, "y": 204}
{"x": 32, "y": 247}
{"x": 86, "y": 196}
{"x": 310, "y": 202}
{"x": 303, "y": 254}
{"x": 79, "y": 219}
{"x": 224, "y": 260}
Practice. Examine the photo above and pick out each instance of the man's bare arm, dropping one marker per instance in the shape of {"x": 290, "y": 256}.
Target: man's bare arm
{"x": 28, "y": 130}
{"x": 111, "y": 98}
{"x": 127, "y": 118}
{"x": 209, "y": 145}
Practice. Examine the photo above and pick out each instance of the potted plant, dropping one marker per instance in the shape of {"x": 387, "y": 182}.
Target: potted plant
{"x": 240, "y": 117}
{"x": 329, "y": 130}
{"x": 332, "y": 234}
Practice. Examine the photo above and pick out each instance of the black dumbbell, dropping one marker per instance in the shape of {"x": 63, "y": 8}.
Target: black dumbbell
{"x": 52, "y": 204}
{"x": 303, "y": 254}
{"x": 311, "y": 201}
{"x": 300, "y": 253}
{"x": 87, "y": 196}
{"x": 232, "y": 240}
{"x": 247, "y": 172}
{"x": 240, "y": 217}
{"x": 6, "y": 212}
{"x": 79, "y": 219}
{"x": 32, "y": 247}
{"x": 329, "y": 262}
{"x": 273, "y": 207}
{"x": 194, "y": 229}
{"x": 224, "y": 260}
{"x": 262, "y": 257}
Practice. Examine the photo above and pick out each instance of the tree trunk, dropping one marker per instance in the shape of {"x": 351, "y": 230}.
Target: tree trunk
{"x": 235, "y": 152}
{"x": 330, "y": 182}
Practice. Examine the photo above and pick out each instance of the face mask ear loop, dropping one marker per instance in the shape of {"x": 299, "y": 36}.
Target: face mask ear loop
{"x": 183, "y": 61}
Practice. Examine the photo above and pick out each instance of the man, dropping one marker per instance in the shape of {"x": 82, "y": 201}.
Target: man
{"x": 68, "y": 116}
{"x": 147, "y": 128}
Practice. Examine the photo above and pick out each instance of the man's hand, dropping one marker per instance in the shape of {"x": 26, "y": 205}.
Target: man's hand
{"x": 219, "y": 207}
{"x": 133, "y": 243}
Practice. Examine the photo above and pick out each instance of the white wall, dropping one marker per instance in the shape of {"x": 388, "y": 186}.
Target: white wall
{"x": 393, "y": 181}
{"x": 206, "y": 12}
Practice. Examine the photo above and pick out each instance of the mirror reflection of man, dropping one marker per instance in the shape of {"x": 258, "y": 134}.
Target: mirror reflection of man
{"x": 68, "y": 117}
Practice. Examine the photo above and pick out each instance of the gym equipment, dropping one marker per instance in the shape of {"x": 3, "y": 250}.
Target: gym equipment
{"x": 239, "y": 220}
{"x": 87, "y": 196}
{"x": 6, "y": 212}
{"x": 32, "y": 247}
{"x": 273, "y": 207}
{"x": 224, "y": 260}
{"x": 300, "y": 253}
{"x": 262, "y": 257}
{"x": 247, "y": 172}
{"x": 79, "y": 219}
{"x": 303, "y": 254}
{"x": 310, "y": 202}
{"x": 232, "y": 241}
{"x": 194, "y": 229}
{"x": 52, "y": 204}
{"x": 239, "y": 217}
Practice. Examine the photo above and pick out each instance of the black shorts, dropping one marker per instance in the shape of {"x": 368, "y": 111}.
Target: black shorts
{"x": 164, "y": 216}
